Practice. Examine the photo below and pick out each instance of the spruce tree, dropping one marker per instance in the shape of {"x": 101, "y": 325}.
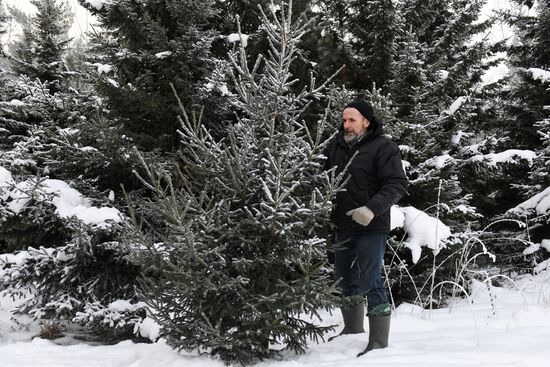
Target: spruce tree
{"x": 75, "y": 270}
{"x": 375, "y": 28}
{"x": 3, "y": 62}
{"x": 239, "y": 262}
{"x": 362, "y": 35}
{"x": 3, "y": 20}
{"x": 143, "y": 46}
{"x": 39, "y": 54}
{"x": 436, "y": 91}
{"x": 526, "y": 119}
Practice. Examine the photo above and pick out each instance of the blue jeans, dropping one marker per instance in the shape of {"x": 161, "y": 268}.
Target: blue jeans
{"x": 358, "y": 261}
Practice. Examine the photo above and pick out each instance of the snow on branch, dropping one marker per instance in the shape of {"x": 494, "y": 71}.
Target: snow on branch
{"x": 539, "y": 204}
{"x": 540, "y": 74}
{"x": 422, "y": 230}
{"x": 67, "y": 201}
{"x": 507, "y": 156}
{"x": 238, "y": 37}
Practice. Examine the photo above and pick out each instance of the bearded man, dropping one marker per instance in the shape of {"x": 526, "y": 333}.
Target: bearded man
{"x": 361, "y": 218}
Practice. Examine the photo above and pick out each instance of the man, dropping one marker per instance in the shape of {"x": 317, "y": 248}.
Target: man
{"x": 361, "y": 216}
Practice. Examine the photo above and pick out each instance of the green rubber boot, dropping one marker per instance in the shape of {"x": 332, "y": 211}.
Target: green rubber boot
{"x": 379, "y": 330}
{"x": 354, "y": 317}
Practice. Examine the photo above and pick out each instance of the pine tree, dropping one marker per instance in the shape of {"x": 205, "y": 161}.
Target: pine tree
{"x": 3, "y": 19}
{"x": 362, "y": 35}
{"x": 526, "y": 100}
{"x": 3, "y": 62}
{"x": 144, "y": 46}
{"x": 239, "y": 259}
{"x": 39, "y": 54}
{"x": 375, "y": 28}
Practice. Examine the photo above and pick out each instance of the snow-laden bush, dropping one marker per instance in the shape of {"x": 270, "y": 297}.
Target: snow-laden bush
{"x": 49, "y": 139}
{"x": 67, "y": 257}
{"x": 41, "y": 210}
{"x": 28, "y": 215}
{"x": 81, "y": 282}
{"x": 64, "y": 135}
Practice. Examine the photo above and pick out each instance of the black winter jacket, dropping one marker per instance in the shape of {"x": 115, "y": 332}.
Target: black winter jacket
{"x": 376, "y": 179}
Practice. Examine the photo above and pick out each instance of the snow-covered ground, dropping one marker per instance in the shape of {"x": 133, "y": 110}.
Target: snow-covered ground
{"x": 506, "y": 327}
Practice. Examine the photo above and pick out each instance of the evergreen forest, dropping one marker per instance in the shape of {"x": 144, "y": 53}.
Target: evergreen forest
{"x": 167, "y": 165}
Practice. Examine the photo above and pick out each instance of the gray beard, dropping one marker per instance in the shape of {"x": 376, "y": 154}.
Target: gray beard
{"x": 353, "y": 138}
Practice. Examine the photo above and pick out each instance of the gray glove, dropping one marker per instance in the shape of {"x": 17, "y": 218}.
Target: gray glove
{"x": 361, "y": 215}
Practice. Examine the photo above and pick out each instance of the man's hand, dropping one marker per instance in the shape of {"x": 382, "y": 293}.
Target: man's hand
{"x": 361, "y": 215}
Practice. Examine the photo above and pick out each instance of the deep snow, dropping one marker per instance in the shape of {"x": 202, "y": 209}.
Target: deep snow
{"x": 510, "y": 326}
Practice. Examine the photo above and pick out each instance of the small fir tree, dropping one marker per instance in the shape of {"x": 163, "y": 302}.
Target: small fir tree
{"x": 238, "y": 264}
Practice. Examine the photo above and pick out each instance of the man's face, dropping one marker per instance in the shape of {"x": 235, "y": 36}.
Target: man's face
{"x": 354, "y": 123}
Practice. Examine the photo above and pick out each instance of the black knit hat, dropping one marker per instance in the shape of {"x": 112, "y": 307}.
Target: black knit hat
{"x": 364, "y": 108}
